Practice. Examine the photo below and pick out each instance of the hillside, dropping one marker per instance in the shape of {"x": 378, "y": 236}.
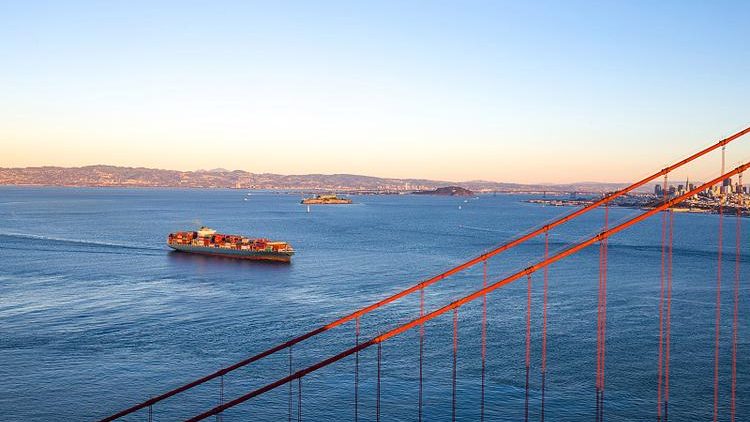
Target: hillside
{"x": 104, "y": 175}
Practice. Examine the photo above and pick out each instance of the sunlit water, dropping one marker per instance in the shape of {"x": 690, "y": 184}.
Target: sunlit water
{"x": 96, "y": 314}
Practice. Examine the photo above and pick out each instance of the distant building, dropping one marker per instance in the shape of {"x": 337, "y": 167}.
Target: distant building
{"x": 658, "y": 191}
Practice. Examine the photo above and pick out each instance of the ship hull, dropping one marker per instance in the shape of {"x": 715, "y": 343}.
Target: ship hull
{"x": 234, "y": 253}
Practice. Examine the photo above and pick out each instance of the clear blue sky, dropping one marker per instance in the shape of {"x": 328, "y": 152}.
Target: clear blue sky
{"x": 510, "y": 91}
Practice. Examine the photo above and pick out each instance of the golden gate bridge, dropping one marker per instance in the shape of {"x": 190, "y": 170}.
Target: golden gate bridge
{"x": 292, "y": 380}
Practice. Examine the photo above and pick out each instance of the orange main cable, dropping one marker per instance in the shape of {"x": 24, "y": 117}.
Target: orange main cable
{"x": 466, "y": 299}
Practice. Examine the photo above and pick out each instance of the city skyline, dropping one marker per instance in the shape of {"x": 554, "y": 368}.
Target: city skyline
{"x": 525, "y": 93}
{"x": 677, "y": 188}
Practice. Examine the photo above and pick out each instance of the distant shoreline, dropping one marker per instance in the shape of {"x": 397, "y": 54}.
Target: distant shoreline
{"x": 293, "y": 191}
{"x": 132, "y": 177}
{"x": 729, "y": 209}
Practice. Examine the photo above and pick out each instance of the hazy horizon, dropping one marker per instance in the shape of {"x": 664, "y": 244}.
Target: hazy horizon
{"x": 499, "y": 91}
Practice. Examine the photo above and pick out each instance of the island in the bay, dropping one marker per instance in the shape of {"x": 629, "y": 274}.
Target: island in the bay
{"x": 326, "y": 200}
{"x": 446, "y": 191}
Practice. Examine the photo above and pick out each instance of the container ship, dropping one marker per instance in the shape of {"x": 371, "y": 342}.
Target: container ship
{"x": 207, "y": 242}
{"x": 326, "y": 200}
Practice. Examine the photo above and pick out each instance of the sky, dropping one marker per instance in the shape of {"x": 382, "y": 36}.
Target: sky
{"x": 558, "y": 91}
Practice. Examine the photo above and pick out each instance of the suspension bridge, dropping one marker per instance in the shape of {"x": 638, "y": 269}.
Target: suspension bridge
{"x": 348, "y": 361}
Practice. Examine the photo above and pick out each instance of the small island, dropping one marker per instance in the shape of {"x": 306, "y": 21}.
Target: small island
{"x": 326, "y": 200}
{"x": 446, "y": 191}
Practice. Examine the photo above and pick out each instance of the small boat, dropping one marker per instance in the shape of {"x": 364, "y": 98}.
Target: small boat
{"x": 207, "y": 242}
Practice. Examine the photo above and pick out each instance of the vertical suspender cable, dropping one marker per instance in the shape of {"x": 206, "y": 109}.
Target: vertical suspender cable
{"x": 455, "y": 360}
{"x": 544, "y": 324}
{"x": 718, "y": 292}
{"x": 604, "y": 310}
{"x": 299, "y": 399}
{"x": 421, "y": 350}
{"x": 598, "y": 335}
{"x": 601, "y": 321}
{"x": 735, "y": 315}
{"x": 604, "y": 300}
{"x": 661, "y": 305}
{"x": 668, "y": 319}
{"x": 484, "y": 339}
{"x": 356, "y": 371}
{"x": 290, "y": 384}
{"x": 528, "y": 346}
{"x": 150, "y": 413}
{"x": 377, "y": 388}
{"x": 221, "y": 397}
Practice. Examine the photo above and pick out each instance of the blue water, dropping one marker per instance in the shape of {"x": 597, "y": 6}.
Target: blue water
{"x": 96, "y": 314}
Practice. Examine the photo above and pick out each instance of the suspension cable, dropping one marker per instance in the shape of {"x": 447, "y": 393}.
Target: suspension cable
{"x": 718, "y": 291}
{"x": 528, "y": 345}
{"x": 735, "y": 327}
{"x": 544, "y": 325}
{"x": 299, "y": 399}
{"x": 428, "y": 282}
{"x": 668, "y": 319}
{"x": 455, "y": 359}
{"x": 484, "y": 339}
{"x": 601, "y": 321}
{"x": 377, "y": 392}
{"x": 421, "y": 351}
{"x": 290, "y": 385}
{"x": 378, "y": 340}
{"x": 356, "y": 372}
{"x": 660, "y": 368}
{"x": 221, "y": 397}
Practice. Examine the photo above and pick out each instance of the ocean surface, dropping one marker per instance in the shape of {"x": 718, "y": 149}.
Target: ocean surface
{"x": 96, "y": 313}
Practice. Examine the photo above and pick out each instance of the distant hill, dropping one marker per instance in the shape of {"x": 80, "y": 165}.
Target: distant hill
{"x": 104, "y": 175}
